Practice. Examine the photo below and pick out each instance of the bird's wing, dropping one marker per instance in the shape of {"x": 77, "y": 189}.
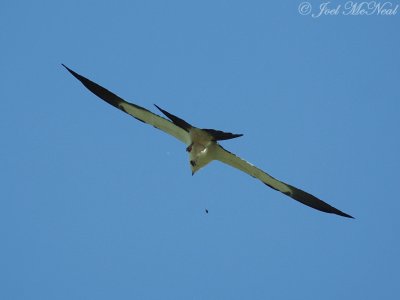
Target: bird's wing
{"x": 231, "y": 159}
{"x": 134, "y": 110}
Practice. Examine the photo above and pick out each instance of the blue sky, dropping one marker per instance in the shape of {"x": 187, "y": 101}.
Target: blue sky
{"x": 95, "y": 205}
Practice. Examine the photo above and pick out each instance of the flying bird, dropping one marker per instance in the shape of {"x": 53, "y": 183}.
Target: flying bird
{"x": 203, "y": 145}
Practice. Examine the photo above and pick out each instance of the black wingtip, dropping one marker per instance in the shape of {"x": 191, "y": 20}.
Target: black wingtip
{"x": 69, "y": 70}
{"x": 176, "y": 120}
{"x": 342, "y": 214}
{"x": 333, "y": 210}
{"x": 314, "y": 202}
{"x": 97, "y": 89}
{"x": 76, "y": 75}
{"x": 345, "y": 215}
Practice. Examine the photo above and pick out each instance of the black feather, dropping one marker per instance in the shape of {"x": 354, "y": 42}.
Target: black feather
{"x": 177, "y": 121}
{"x": 219, "y": 135}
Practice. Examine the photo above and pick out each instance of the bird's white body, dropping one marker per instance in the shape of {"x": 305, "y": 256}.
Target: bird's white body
{"x": 201, "y": 149}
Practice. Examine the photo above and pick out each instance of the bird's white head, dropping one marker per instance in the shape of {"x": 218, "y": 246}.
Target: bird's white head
{"x": 199, "y": 156}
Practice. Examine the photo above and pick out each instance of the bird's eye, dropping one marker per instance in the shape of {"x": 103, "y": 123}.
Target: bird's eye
{"x": 193, "y": 163}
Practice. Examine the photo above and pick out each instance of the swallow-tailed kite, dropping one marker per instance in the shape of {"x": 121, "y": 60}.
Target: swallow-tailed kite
{"x": 203, "y": 146}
